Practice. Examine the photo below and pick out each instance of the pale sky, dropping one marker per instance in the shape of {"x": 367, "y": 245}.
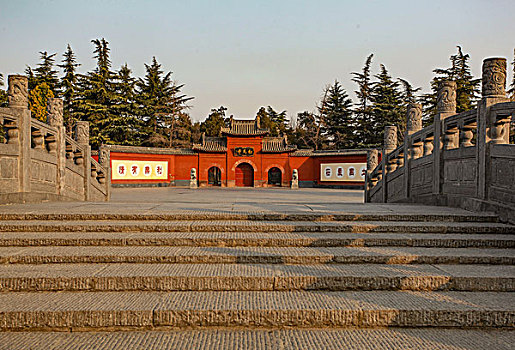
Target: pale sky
{"x": 247, "y": 54}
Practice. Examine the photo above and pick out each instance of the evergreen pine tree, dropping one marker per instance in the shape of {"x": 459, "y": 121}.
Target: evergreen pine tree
{"x": 161, "y": 104}
{"x": 364, "y": 132}
{"x": 3, "y": 93}
{"x": 68, "y": 85}
{"x": 125, "y": 126}
{"x": 338, "y": 117}
{"x": 98, "y": 97}
{"x": 275, "y": 121}
{"x": 214, "y": 122}
{"x": 45, "y": 72}
{"x": 386, "y": 106}
{"x": 467, "y": 88}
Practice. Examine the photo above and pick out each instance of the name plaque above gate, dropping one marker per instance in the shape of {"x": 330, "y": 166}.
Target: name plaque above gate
{"x": 244, "y": 151}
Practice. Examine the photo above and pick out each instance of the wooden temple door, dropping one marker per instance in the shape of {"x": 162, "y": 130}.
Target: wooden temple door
{"x": 244, "y": 175}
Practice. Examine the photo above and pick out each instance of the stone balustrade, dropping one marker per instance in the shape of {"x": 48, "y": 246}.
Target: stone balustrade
{"x": 463, "y": 159}
{"x": 38, "y": 161}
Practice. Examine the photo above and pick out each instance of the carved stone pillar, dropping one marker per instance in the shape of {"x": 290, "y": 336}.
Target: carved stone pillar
{"x": 414, "y": 117}
{"x": 372, "y": 159}
{"x": 193, "y": 178}
{"x": 446, "y": 102}
{"x": 82, "y": 133}
{"x": 390, "y": 138}
{"x": 494, "y": 77}
{"x": 18, "y": 91}
{"x": 55, "y": 112}
{"x": 103, "y": 157}
{"x": 295, "y": 179}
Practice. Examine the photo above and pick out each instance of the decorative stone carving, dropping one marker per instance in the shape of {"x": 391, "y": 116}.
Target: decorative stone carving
{"x": 446, "y": 102}
{"x": 390, "y": 138}
{"x": 18, "y": 91}
{"x": 193, "y": 178}
{"x": 466, "y": 135}
{"x": 494, "y": 77}
{"x": 428, "y": 145}
{"x": 103, "y": 157}
{"x": 414, "y": 118}
{"x": 55, "y": 112}
{"x": 372, "y": 159}
{"x": 82, "y": 133}
{"x": 295, "y": 179}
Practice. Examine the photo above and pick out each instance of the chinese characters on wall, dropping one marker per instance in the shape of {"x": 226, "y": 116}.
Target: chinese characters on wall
{"x": 139, "y": 170}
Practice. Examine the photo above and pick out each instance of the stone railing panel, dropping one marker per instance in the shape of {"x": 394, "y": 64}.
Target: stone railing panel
{"x": 502, "y": 171}
{"x": 38, "y": 161}
{"x": 461, "y": 160}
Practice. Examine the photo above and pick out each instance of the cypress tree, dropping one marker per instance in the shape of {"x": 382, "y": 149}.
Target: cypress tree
{"x": 68, "y": 85}
{"x": 363, "y": 112}
{"x": 214, "y": 122}
{"x": 3, "y": 93}
{"x": 98, "y": 96}
{"x": 45, "y": 72}
{"x": 386, "y": 106}
{"x": 161, "y": 105}
{"x": 338, "y": 117}
{"x": 467, "y": 88}
{"x": 125, "y": 126}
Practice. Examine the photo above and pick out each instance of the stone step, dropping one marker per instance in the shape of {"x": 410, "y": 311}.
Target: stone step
{"x": 242, "y": 277}
{"x": 256, "y": 255}
{"x": 254, "y": 226}
{"x": 256, "y": 239}
{"x": 254, "y": 309}
{"x": 327, "y": 339}
{"x": 249, "y": 216}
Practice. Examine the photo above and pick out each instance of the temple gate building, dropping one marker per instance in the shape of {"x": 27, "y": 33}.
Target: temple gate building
{"x": 244, "y": 156}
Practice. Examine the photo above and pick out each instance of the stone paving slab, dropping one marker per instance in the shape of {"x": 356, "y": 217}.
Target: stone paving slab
{"x": 315, "y": 309}
{"x": 205, "y": 277}
{"x": 276, "y": 239}
{"x": 251, "y": 216}
{"x": 257, "y": 226}
{"x": 258, "y": 255}
{"x": 323, "y": 339}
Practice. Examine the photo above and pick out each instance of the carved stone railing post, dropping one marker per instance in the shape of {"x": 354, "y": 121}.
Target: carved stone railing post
{"x": 104, "y": 158}
{"x": 55, "y": 119}
{"x": 295, "y": 179}
{"x": 388, "y": 165}
{"x": 82, "y": 138}
{"x": 412, "y": 150}
{"x": 372, "y": 163}
{"x": 18, "y": 91}
{"x": 193, "y": 178}
{"x": 490, "y": 129}
{"x": 445, "y": 107}
{"x": 18, "y": 99}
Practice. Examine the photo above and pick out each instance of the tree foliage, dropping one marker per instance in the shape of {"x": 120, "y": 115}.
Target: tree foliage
{"x": 38, "y": 101}
{"x": 336, "y": 112}
{"x": 467, "y": 88}
{"x": 214, "y": 122}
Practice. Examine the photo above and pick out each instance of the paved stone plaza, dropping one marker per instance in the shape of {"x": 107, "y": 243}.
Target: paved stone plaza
{"x": 172, "y": 268}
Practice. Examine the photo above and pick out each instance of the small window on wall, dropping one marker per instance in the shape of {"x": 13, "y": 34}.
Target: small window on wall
{"x": 214, "y": 176}
{"x": 274, "y": 177}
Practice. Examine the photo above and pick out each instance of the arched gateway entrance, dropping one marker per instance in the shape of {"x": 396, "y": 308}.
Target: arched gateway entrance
{"x": 214, "y": 176}
{"x": 244, "y": 175}
{"x": 274, "y": 176}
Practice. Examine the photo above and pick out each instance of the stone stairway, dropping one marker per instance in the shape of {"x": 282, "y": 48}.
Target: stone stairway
{"x": 439, "y": 281}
